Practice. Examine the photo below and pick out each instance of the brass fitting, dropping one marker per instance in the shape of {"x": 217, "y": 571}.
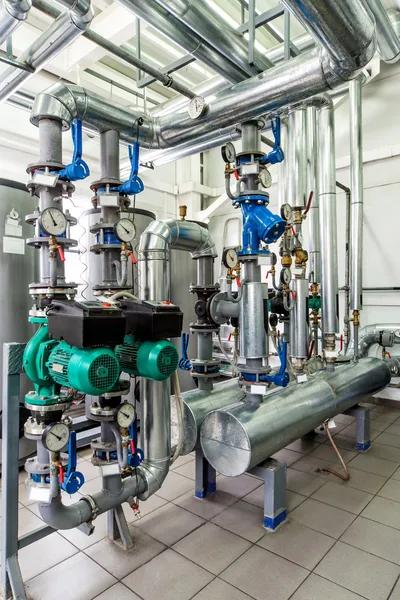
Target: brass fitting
{"x": 183, "y": 211}
{"x": 286, "y": 260}
{"x": 301, "y": 257}
{"x": 297, "y": 215}
{"x": 356, "y": 318}
{"x": 314, "y": 288}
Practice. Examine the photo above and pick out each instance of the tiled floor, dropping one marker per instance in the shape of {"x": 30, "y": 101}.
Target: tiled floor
{"x": 341, "y": 540}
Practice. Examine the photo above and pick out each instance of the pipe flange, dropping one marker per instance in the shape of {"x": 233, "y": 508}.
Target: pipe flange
{"x": 33, "y": 429}
{"x": 98, "y": 226}
{"x": 32, "y": 167}
{"x": 260, "y": 122}
{"x": 98, "y": 446}
{"x": 44, "y": 410}
{"x": 203, "y": 289}
{"x": 36, "y": 242}
{"x": 32, "y": 218}
{"x": 102, "y": 413}
{"x": 93, "y": 506}
{"x": 113, "y": 289}
{"x": 95, "y": 185}
{"x": 198, "y": 328}
{"x": 123, "y": 389}
{"x": 99, "y": 248}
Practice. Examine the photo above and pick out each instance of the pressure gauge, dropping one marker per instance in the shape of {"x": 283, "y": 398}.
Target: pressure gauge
{"x": 228, "y": 153}
{"x": 55, "y": 437}
{"x": 286, "y": 276}
{"x": 125, "y": 415}
{"x": 230, "y": 258}
{"x": 197, "y": 107}
{"x": 52, "y": 221}
{"x": 265, "y": 178}
{"x": 125, "y": 230}
{"x": 286, "y": 212}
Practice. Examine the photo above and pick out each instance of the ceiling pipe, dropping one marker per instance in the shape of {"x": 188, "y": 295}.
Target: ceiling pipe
{"x": 207, "y": 24}
{"x": 387, "y": 39}
{"x": 12, "y": 14}
{"x": 64, "y": 30}
{"x": 168, "y": 25}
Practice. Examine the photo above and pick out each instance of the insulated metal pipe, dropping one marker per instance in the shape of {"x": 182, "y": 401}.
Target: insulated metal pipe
{"x": 299, "y": 321}
{"x": 62, "y": 32}
{"x": 387, "y": 39}
{"x": 313, "y": 186}
{"x": 328, "y": 218}
{"x": 12, "y": 14}
{"x": 357, "y": 195}
{"x": 237, "y": 438}
{"x": 297, "y": 157}
{"x": 109, "y": 172}
{"x": 384, "y": 334}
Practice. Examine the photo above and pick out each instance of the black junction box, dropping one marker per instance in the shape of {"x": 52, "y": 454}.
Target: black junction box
{"x": 86, "y": 324}
{"x": 150, "y": 320}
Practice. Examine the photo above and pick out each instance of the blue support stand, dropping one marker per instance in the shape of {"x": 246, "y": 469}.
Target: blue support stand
{"x": 273, "y": 473}
{"x": 205, "y": 475}
{"x": 363, "y": 426}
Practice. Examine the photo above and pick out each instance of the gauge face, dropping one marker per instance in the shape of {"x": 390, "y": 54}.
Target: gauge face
{"x": 125, "y": 415}
{"x": 228, "y": 153}
{"x": 125, "y": 230}
{"x": 196, "y": 107}
{"x": 286, "y": 212}
{"x": 230, "y": 258}
{"x": 286, "y": 276}
{"x": 55, "y": 437}
{"x": 52, "y": 221}
{"x": 265, "y": 178}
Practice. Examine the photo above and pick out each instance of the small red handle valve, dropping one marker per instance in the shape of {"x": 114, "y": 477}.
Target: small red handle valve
{"x": 133, "y": 450}
{"x": 238, "y": 282}
{"x": 236, "y": 174}
{"x": 229, "y": 337}
{"x": 61, "y": 254}
{"x": 133, "y": 259}
{"x": 61, "y": 474}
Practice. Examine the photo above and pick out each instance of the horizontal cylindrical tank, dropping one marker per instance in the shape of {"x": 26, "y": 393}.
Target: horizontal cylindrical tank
{"x": 238, "y": 438}
{"x": 198, "y": 403}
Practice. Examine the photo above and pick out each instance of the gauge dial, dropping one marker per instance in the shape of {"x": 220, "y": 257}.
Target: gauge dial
{"x": 55, "y": 437}
{"x": 52, "y": 221}
{"x": 286, "y": 212}
{"x": 125, "y": 415}
{"x": 265, "y": 178}
{"x": 286, "y": 276}
{"x": 125, "y": 230}
{"x": 230, "y": 258}
{"x": 197, "y": 107}
{"x": 228, "y": 153}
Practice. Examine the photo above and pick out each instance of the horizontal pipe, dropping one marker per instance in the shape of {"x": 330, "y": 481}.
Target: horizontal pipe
{"x": 12, "y": 14}
{"x": 387, "y": 39}
{"x": 161, "y": 236}
{"x": 237, "y": 438}
{"x": 384, "y": 334}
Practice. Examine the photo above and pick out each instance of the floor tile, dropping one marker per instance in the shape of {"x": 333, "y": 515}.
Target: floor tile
{"x": 169, "y": 524}
{"x": 257, "y": 498}
{"x": 52, "y": 551}
{"x": 396, "y": 474}
{"x": 391, "y": 490}
{"x": 89, "y": 471}
{"x": 297, "y": 543}
{"x": 384, "y": 417}
{"x": 321, "y": 517}
{"x": 325, "y": 452}
{"x": 117, "y": 592}
{"x": 302, "y": 446}
{"x": 244, "y": 519}
{"x": 287, "y": 456}
{"x": 181, "y": 460}
{"x": 169, "y": 576}
{"x": 368, "y": 575}
{"x": 293, "y": 500}
{"x": 393, "y": 429}
{"x": 312, "y": 464}
{"x": 372, "y": 464}
{"x": 374, "y": 538}
{"x": 220, "y": 590}
{"x": 388, "y": 439}
{"x": 145, "y": 507}
{"x": 343, "y": 441}
{"x": 174, "y": 486}
{"x": 23, "y": 495}
{"x": 395, "y": 595}
{"x": 345, "y": 419}
{"x": 316, "y": 588}
{"x": 81, "y": 540}
{"x": 346, "y": 498}
{"x": 120, "y": 562}
{"x": 187, "y": 470}
{"x": 384, "y": 511}
{"x": 385, "y": 452}
{"x": 238, "y": 486}
{"x": 303, "y": 483}
{"x": 264, "y": 576}
{"x": 92, "y": 486}
{"x": 212, "y": 547}
{"x": 361, "y": 480}
{"x": 27, "y": 521}
{"x": 85, "y": 580}
{"x": 86, "y": 453}
{"x": 206, "y": 507}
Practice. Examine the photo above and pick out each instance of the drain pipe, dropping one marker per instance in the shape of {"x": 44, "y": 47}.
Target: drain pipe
{"x": 62, "y": 32}
{"x": 12, "y": 14}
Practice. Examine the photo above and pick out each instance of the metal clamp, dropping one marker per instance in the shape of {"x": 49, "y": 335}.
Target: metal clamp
{"x": 93, "y": 506}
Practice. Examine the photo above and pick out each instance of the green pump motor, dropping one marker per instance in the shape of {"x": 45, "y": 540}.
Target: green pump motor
{"x": 155, "y": 360}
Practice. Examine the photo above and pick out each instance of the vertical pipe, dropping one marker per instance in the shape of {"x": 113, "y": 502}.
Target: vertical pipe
{"x": 313, "y": 181}
{"x": 282, "y": 166}
{"x": 357, "y": 199}
{"x": 328, "y": 220}
{"x": 297, "y": 157}
{"x": 205, "y": 277}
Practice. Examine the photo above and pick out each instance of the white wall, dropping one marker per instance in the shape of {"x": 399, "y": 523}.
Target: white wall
{"x": 381, "y": 127}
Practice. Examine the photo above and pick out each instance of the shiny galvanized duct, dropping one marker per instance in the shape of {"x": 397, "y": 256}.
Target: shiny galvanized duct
{"x": 387, "y": 39}
{"x": 328, "y": 218}
{"x": 314, "y": 252}
{"x": 296, "y": 157}
{"x": 357, "y": 194}
{"x": 12, "y": 14}
{"x": 238, "y": 438}
{"x": 64, "y": 30}
{"x": 384, "y": 334}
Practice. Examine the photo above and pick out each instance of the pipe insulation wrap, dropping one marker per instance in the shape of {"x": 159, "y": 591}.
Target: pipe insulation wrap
{"x": 238, "y": 438}
{"x": 385, "y": 334}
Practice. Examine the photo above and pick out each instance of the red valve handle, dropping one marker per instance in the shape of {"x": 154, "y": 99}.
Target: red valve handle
{"x": 229, "y": 337}
{"x": 238, "y": 282}
{"x": 133, "y": 259}
{"x": 133, "y": 447}
{"x": 236, "y": 174}
{"x": 61, "y": 474}
{"x": 61, "y": 254}
{"x": 341, "y": 342}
